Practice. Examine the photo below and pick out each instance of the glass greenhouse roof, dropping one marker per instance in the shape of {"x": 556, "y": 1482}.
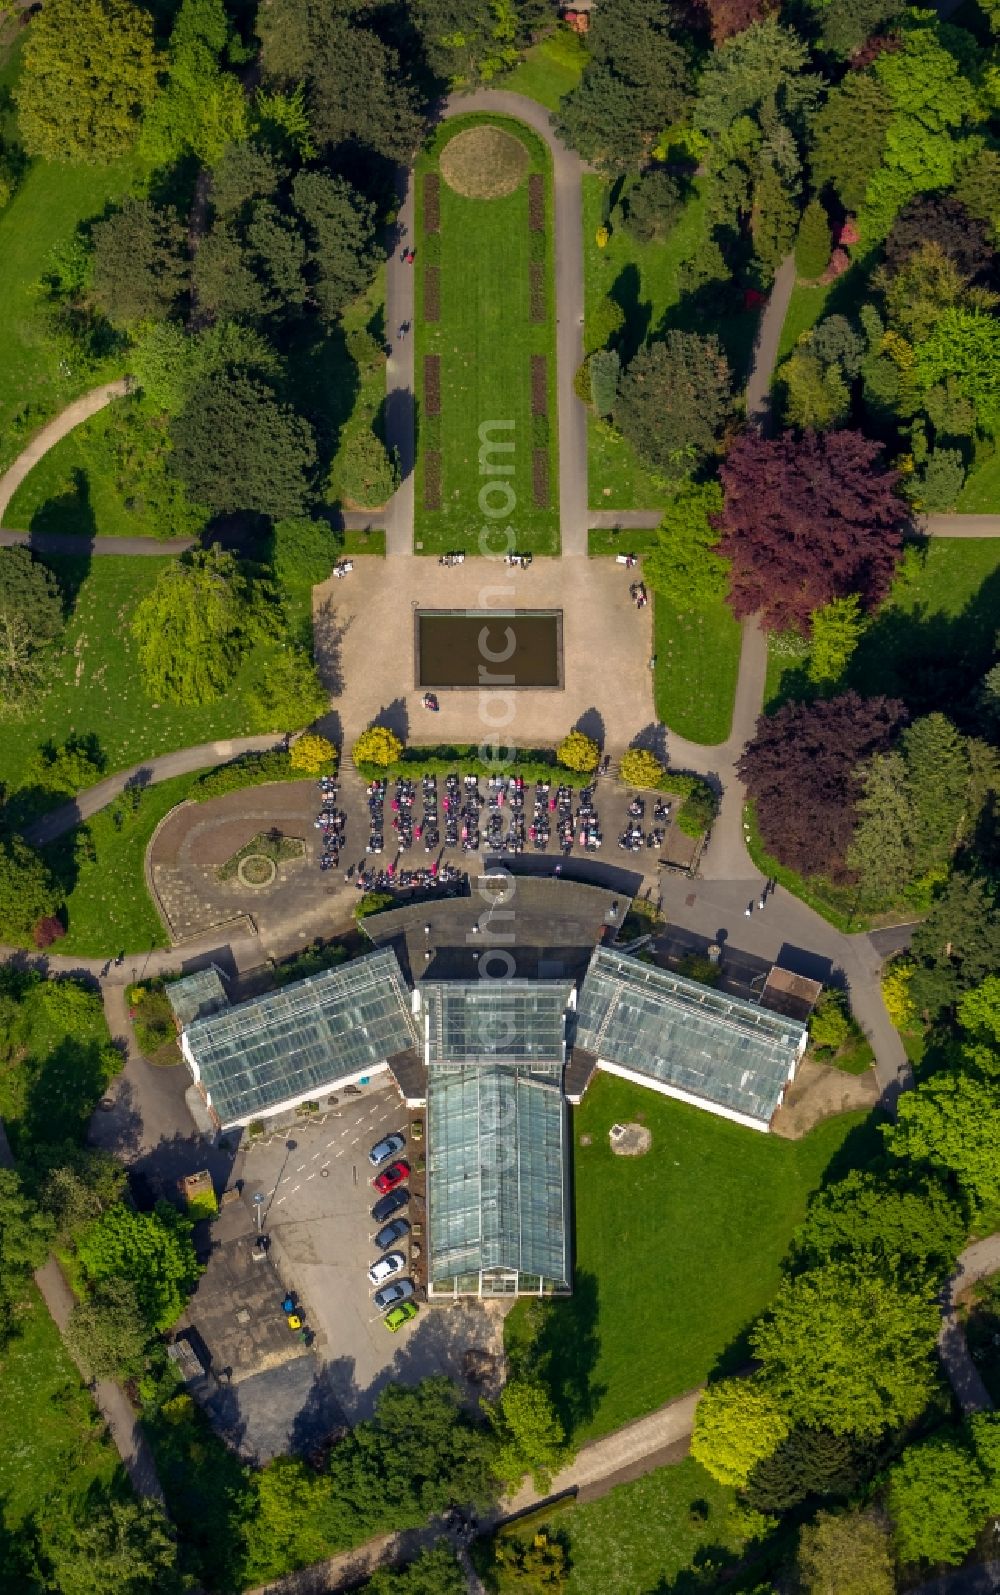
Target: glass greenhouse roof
{"x": 496, "y": 1172}
{"x": 682, "y": 1034}
{"x": 503, "y": 1021}
{"x": 197, "y": 995}
{"x": 303, "y": 1039}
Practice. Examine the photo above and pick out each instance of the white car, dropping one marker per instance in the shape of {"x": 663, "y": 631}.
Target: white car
{"x": 392, "y": 1263}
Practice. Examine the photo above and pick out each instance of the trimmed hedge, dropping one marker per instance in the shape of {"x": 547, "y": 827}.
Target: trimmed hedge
{"x": 249, "y": 769}
{"x": 534, "y": 764}
{"x": 699, "y": 807}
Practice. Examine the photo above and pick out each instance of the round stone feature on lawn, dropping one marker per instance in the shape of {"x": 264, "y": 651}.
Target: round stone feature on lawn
{"x": 484, "y": 162}
{"x": 256, "y": 870}
{"x": 630, "y": 1140}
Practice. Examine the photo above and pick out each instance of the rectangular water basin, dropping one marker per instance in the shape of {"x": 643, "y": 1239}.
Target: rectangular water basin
{"x": 489, "y": 649}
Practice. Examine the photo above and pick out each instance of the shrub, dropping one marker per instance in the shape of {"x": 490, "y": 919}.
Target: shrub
{"x": 830, "y": 1024}
{"x": 581, "y": 381}
{"x": 900, "y": 1006}
{"x": 48, "y": 930}
{"x": 578, "y": 752}
{"x": 313, "y": 755}
{"x": 373, "y": 903}
{"x": 653, "y": 205}
{"x": 606, "y": 319}
{"x": 533, "y": 764}
{"x": 639, "y": 767}
{"x": 697, "y": 811}
{"x": 812, "y": 246}
{"x": 377, "y": 745}
{"x": 605, "y": 371}
{"x": 204, "y": 1205}
{"x": 250, "y": 769}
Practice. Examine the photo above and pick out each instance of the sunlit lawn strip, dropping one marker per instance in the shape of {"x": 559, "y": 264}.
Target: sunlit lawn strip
{"x": 697, "y": 650}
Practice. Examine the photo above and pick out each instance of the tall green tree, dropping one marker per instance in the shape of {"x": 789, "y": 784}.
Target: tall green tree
{"x": 115, "y": 1548}
{"x": 531, "y": 1437}
{"x": 836, "y": 632}
{"x": 196, "y": 625}
{"x": 846, "y": 24}
{"x": 937, "y": 1499}
{"x": 151, "y": 1251}
{"x": 339, "y": 229}
{"x": 737, "y": 1423}
{"x": 140, "y": 263}
{"x": 812, "y": 246}
{"x": 237, "y": 447}
{"x": 958, "y": 944}
{"x": 845, "y": 1554}
{"x": 951, "y": 1126}
{"x": 634, "y": 85}
{"x": 202, "y": 107}
{"x": 848, "y": 137}
{"x": 29, "y": 892}
{"x": 435, "y": 1572}
{"x": 31, "y": 618}
{"x": 107, "y": 1334}
{"x": 917, "y": 1227}
{"x": 849, "y": 1347}
{"x": 88, "y": 75}
{"x": 762, "y": 68}
{"x": 288, "y": 693}
{"x": 684, "y": 565}
{"x": 673, "y": 401}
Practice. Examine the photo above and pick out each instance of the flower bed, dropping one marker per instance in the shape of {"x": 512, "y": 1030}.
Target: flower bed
{"x": 540, "y": 477}
{"x": 539, "y": 385}
{"x": 432, "y": 202}
{"x": 432, "y": 293}
{"x": 465, "y": 758}
{"x": 536, "y": 291}
{"x": 536, "y": 202}
{"x": 432, "y": 384}
{"x": 432, "y": 481}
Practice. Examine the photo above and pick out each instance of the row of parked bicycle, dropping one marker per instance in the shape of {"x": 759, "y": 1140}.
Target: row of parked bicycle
{"x": 332, "y": 822}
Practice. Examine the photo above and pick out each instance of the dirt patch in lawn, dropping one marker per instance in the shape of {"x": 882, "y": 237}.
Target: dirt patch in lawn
{"x": 432, "y": 293}
{"x": 539, "y": 385}
{"x": 432, "y": 384}
{"x": 818, "y": 1092}
{"x": 484, "y": 162}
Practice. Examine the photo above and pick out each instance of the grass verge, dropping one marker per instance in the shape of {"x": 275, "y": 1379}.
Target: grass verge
{"x": 981, "y": 493}
{"x": 549, "y": 70}
{"x": 485, "y": 340}
{"x": 605, "y": 541}
{"x": 676, "y": 1252}
{"x": 697, "y": 652}
{"x": 642, "y": 1535}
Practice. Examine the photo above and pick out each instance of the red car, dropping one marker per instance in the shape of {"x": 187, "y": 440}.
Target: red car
{"x": 389, "y": 1178}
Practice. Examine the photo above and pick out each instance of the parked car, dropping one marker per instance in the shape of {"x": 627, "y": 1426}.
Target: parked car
{"x": 385, "y": 1267}
{"x": 391, "y": 1233}
{"x": 389, "y": 1178}
{"x": 385, "y": 1149}
{"x": 389, "y": 1295}
{"x": 396, "y": 1317}
{"x": 387, "y": 1205}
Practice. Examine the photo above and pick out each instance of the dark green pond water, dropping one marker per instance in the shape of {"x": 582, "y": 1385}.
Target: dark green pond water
{"x": 489, "y": 649}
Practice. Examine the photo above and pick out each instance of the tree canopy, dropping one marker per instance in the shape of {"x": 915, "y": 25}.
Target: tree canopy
{"x": 801, "y": 771}
{"x": 634, "y": 85}
{"x": 29, "y": 892}
{"x": 238, "y": 447}
{"x": 140, "y": 263}
{"x": 89, "y": 73}
{"x": 806, "y": 520}
{"x": 673, "y": 401}
{"x": 195, "y": 626}
{"x": 737, "y": 1424}
{"x": 31, "y": 617}
{"x": 937, "y": 1500}
{"x": 151, "y": 1251}
{"x": 951, "y": 1126}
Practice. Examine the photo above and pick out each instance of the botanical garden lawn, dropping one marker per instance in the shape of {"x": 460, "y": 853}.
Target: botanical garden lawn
{"x": 73, "y": 489}
{"x": 549, "y": 69}
{"x": 675, "y": 1253}
{"x": 697, "y": 651}
{"x": 643, "y": 280}
{"x": 52, "y": 1440}
{"x": 43, "y": 215}
{"x": 485, "y": 340}
{"x": 981, "y": 493}
{"x": 96, "y": 686}
{"x": 108, "y": 908}
{"x": 642, "y": 1535}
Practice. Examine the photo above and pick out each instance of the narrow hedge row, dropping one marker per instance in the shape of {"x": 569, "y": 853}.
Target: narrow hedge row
{"x": 432, "y": 293}
{"x": 432, "y": 202}
{"x": 432, "y": 384}
{"x": 532, "y": 764}
{"x": 432, "y": 480}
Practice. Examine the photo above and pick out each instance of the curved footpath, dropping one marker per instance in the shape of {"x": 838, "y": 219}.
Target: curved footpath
{"x": 80, "y": 410}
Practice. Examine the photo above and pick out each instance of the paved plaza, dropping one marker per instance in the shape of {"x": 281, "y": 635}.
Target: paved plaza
{"x": 365, "y": 637}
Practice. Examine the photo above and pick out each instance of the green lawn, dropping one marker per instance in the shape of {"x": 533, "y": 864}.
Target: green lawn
{"x": 56, "y": 1060}
{"x": 607, "y": 541}
{"x": 805, "y": 308}
{"x": 643, "y": 279}
{"x": 675, "y": 1253}
{"x": 96, "y": 686}
{"x": 53, "y": 1446}
{"x": 981, "y": 493}
{"x": 697, "y": 665}
{"x": 641, "y": 1536}
{"x": 549, "y": 69}
{"x": 485, "y": 341}
{"x": 108, "y": 909}
{"x": 932, "y": 639}
{"x": 43, "y": 214}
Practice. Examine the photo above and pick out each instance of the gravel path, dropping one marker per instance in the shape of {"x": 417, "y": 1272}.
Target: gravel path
{"x": 80, "y": 410}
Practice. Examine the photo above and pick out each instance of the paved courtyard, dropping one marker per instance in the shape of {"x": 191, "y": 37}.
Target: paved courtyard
{"x": 315, "y": 1181}
{"x": 364, "y": 637}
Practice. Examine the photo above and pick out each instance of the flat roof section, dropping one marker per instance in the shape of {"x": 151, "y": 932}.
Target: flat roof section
{"x": 497, "y": 1175}
{"x": 686, "y": 1037}
{"x": 285, "y": 1045}
{"x": 499, "y": 1021}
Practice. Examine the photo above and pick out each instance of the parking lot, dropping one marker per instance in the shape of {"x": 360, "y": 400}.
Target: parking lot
{"x": 315, "y": 1181}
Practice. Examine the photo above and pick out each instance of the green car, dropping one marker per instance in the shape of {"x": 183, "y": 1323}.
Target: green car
{"x": 398, "y": 1316}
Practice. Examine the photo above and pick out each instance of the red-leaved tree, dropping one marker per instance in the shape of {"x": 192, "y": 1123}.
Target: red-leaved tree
{"x": 806, "y": 519}
{"x": 48, "y": 930}
{"x": 800, "y": 771}
{"x": 727, "y": 17}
